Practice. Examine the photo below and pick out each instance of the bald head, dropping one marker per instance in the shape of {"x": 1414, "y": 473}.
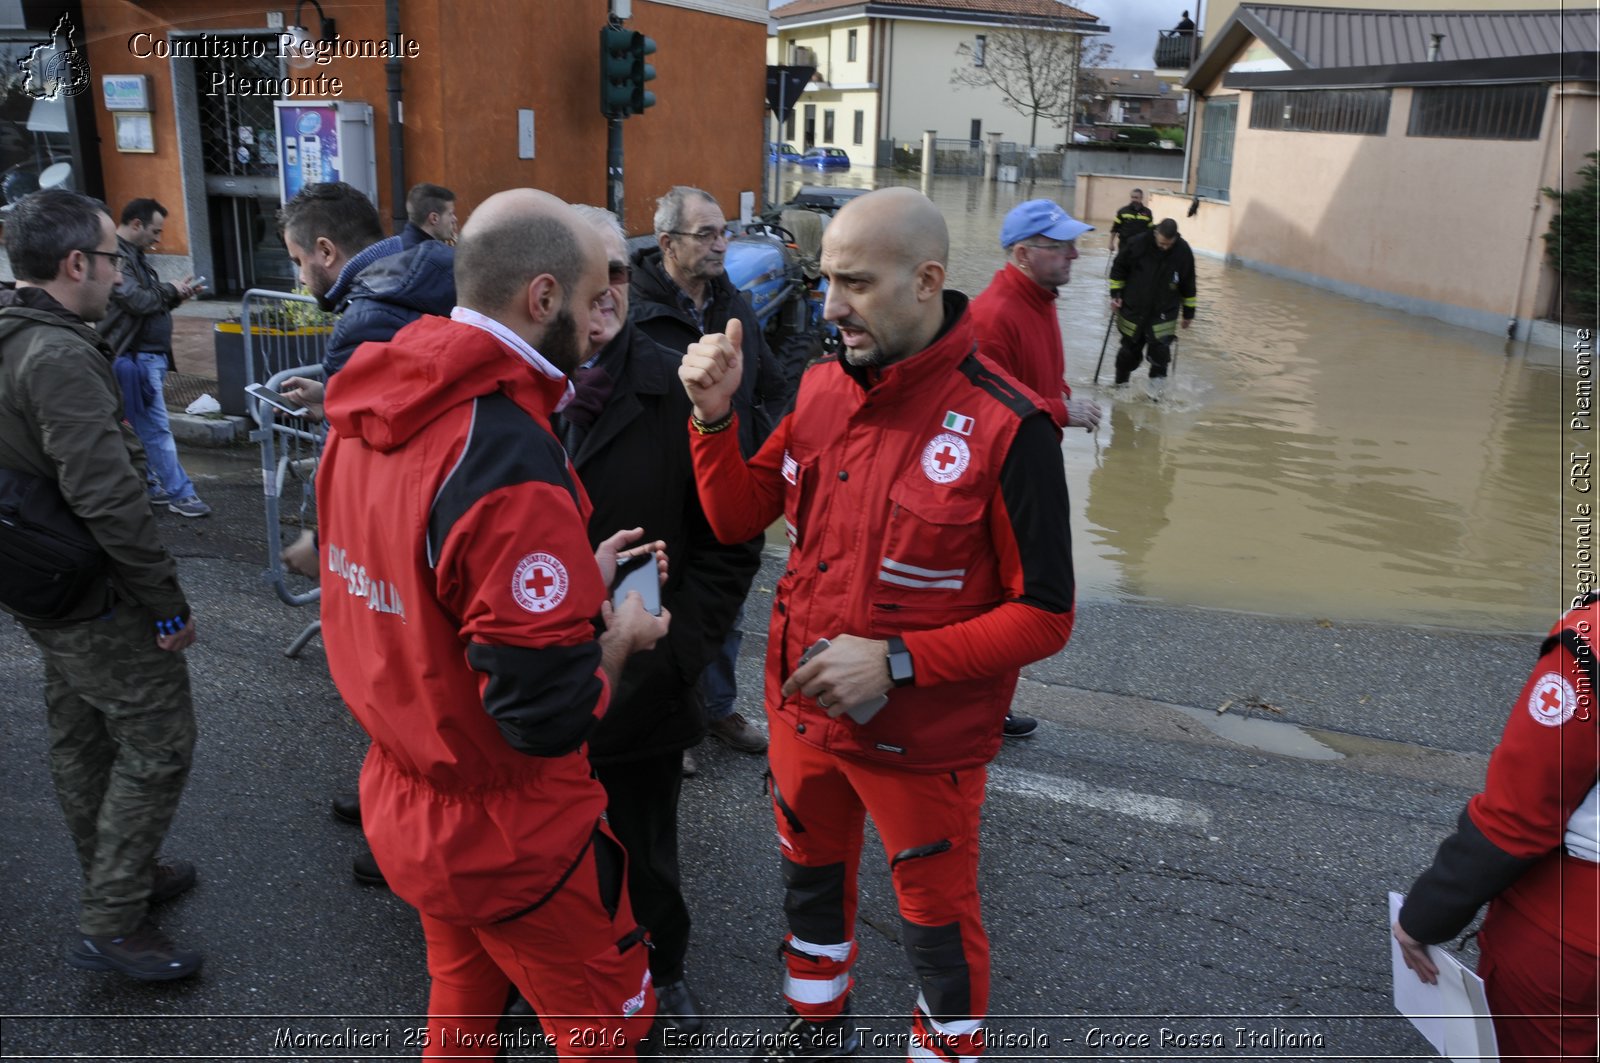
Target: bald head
{"x": 903, "y": 221}
{"x": 514, "y": 237}
{"x": 529, "y": 261}
{"x": 884, "y": 255}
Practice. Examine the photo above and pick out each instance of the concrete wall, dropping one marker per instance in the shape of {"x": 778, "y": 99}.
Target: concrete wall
{"x": 1208, "y": 232}
{"x": 1098, "y": 196}
{"x": 1138, "y": 162}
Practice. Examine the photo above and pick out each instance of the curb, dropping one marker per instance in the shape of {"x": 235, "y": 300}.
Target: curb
{"x": 208, "y": 431}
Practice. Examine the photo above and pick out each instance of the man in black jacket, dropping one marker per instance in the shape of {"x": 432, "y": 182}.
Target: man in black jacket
{"x": 1131, "y": 220}
{"x": 1152, "y": 282}
{"x": 139, "y": 324}
{"x": 680, "y": 292}
{"x": 430, "y": 215}
{"x": 625, "y": 431}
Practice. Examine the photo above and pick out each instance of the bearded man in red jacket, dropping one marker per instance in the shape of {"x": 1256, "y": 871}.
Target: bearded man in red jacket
{"x": 926, "y": 506}
{"x": 458, "y": 596}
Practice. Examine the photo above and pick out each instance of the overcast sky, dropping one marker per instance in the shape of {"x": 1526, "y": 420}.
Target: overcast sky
{"x": 1134, "y": 25}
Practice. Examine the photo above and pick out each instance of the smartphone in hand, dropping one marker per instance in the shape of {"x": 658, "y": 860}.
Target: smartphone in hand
{"x": 861, "y": 713}
{"x": 638, "y": 573}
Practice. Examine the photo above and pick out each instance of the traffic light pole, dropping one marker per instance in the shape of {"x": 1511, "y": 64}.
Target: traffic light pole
{"x": 614, "y": 166}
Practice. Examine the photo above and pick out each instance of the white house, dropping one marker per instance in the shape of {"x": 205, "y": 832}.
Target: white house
{"x": 885, "y": 69}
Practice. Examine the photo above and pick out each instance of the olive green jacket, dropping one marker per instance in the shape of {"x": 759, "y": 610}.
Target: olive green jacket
{"x": 61, "y": 420}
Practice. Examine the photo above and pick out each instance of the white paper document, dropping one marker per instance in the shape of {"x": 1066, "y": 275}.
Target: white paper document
{"x": 1454, "y": 1014}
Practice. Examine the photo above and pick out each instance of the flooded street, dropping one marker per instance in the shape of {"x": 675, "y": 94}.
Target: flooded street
{"x": 1313, "y": 455}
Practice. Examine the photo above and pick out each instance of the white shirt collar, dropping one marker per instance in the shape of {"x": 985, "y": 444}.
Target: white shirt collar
{"x": 518, "y": 346}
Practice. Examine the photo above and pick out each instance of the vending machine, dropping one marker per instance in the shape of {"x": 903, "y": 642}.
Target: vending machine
{"x": 325, "y": 140}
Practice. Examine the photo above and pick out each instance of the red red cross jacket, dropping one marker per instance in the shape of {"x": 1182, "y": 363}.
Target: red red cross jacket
{"x": 1520, "y": 838}
{"x": 1016, "y": 323}
{"x": 926, "y": 500}
{"x": 457, "y": 590}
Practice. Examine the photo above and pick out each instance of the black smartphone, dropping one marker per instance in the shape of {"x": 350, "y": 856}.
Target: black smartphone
{"x": 275, "y": 400}
{"x": 638, "y": 573}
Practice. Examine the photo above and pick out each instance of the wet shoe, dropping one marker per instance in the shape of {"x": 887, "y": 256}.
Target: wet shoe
{"x": 1018, "y": 726}
{"x": 736, "y": 732}
{"x": 366, "y": 870}
{"x": 677, "y": 1009}
{"x": 347, "y": 808}
{"x": 691, "y": 766}
{"x": 190, "y": 507}
{"x": 801, "y": 1039}
{"x": 147, "y": 955}
{"x": 172, "y": 879}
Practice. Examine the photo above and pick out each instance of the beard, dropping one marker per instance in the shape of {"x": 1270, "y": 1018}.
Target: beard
{"x": 561, "y": 346}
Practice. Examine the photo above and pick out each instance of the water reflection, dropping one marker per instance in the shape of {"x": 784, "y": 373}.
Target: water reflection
{"x": 1312, "y": 455}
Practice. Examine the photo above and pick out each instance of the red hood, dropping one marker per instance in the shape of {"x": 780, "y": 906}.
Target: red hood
{"x": 388, "y": 392}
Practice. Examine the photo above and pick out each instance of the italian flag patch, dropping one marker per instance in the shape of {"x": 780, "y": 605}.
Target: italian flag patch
{"x": 958, "y": 422}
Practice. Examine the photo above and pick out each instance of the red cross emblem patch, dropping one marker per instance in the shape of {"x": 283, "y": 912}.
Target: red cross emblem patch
{"x": 945, "y": 458}
{"x": 1552, "y": 701}
{"x": 540, "y": 583}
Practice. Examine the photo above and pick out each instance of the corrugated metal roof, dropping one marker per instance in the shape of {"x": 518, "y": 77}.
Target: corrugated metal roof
{"x": 1010, "y": 10}
{"x": 1325, "y": 37}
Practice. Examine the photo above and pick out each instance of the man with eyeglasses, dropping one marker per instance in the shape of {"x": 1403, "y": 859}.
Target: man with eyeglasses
{"x": 116, "y": 691}
{"x": 1015, "y": 319}
{"x": 681, "y": 292}
{"x": 138, "y": 324}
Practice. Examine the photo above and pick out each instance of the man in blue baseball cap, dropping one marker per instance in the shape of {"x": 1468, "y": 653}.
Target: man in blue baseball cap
{"x": 1015, "y": 319}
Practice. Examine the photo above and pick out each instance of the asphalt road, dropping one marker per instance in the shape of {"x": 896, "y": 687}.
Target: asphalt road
{"x": 1153, "y": 890}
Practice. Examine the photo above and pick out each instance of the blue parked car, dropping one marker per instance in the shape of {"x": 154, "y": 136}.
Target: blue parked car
{"x": 825, "y": 159}
{"x": 782, "y": 153}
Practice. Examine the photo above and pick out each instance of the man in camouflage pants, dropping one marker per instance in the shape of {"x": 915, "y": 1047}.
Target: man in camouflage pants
{"x": 116, "y": 685}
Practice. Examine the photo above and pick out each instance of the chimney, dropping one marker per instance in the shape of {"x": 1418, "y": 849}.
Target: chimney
{"x": 1433, "y": 48}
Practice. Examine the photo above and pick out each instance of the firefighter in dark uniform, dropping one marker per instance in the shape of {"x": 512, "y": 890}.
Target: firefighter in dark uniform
{"x": 1152, "y": 280}
{"x": 1529, "y": 847}
{"x": 1131, "y": 220}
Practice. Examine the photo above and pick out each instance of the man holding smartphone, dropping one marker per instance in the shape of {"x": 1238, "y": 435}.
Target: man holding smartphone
{"x": 926, "y": 505}
{"x": 139, "y": 324}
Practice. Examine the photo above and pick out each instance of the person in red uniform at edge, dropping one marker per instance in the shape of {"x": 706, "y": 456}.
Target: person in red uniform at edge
{"x": 1015, "y": 318}
{"x": 1529, "y": 845}
{"x": 458, "y": 596}
{"x": 926, "y": 504}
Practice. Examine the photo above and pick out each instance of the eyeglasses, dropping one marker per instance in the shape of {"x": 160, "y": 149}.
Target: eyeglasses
{"x": 706, "y": 236}
{"x": 118, "y": 259}
{"x": 621, "y": 272}
{"x": 1059, "y": 249}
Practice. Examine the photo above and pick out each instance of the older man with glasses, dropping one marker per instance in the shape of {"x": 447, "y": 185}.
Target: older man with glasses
{"x": 680, "y": 292}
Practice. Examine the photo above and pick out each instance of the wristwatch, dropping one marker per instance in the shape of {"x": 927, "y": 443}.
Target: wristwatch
{"x": 901, "y": 672}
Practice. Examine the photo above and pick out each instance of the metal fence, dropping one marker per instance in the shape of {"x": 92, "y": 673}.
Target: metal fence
{"x": 290, "y": 446}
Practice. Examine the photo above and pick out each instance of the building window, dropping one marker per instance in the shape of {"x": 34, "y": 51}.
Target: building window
{"x": 850, "y": 47}
{"x": 860, "y": 131}
{"x": 979, "y": 45}
{"x": 827, "y": 126}
{"x": 1478, "y": 112}
{"x": 1215, "y": 170}
{"x": 1361, "y": 111}
{"x": 788, "y": 127}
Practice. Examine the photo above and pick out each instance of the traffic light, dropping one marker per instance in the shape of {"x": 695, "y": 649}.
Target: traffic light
{"x": 617, "y": 70}
{"x": 640, "y": 72}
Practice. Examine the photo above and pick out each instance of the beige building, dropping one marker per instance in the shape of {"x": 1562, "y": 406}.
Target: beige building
{"x": 885, "y": 67}
{"x": 1397, "y": 157}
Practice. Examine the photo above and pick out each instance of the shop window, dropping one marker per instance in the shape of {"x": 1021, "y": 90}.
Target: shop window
{"x": 1215, "y": 170}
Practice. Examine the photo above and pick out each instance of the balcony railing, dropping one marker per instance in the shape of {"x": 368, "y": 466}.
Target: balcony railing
{"x": 1176, "y": 49}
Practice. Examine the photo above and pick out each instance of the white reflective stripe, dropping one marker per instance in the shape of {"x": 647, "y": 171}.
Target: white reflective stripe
{"x": 957, "y": 1028}
{"x": 792, "y": 532}
{"x": 920, "y": 1052}
{"x": 837, "y": 953}
{"x": 912, "y": 570}
{"x": 906, "y": 581}
{"x": 1582, "y": 838}
{"x": 815, "y": 990}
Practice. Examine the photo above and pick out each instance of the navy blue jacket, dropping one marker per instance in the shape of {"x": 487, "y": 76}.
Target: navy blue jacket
{"x": 391, "y": 293}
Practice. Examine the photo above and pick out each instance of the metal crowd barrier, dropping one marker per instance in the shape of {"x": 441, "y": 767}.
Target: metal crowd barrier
{"x": 290, "y": 447}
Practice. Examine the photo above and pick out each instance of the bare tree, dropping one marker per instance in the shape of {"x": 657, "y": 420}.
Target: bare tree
{"x": 1092, "y": 59}
{"x": 1034, "y": 68}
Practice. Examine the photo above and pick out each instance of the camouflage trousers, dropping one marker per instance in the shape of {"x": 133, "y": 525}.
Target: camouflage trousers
{"x": 121, "y": 741}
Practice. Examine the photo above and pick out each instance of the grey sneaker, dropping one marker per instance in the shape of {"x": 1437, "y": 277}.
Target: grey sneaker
{"x": 736, "y": 731}
{"x": 159, "y": 496}
{"x": 190, "y": 507}
{"x": 146, "y": 955}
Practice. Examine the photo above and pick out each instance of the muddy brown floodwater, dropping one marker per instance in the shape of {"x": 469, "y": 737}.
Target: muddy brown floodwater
{"x": 1312, "y": 456}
